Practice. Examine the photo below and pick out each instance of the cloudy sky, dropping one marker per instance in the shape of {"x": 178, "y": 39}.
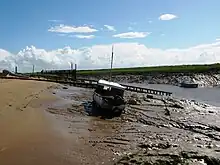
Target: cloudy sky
{"x": 50, "y": 34}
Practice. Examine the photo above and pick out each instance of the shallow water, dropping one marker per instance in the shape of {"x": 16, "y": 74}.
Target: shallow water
{"x": 207, "y": 95}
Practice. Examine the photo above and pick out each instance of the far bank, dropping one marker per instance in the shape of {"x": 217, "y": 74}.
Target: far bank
{"x": 202, "y": 79}
{"x": 203, "y": 75}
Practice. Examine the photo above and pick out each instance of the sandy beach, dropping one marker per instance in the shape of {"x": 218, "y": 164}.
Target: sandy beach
{"x": 26, "y": 136}
{"x": 31, "y": 135}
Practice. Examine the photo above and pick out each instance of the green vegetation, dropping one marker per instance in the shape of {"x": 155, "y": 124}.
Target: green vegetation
{"x": 138, "y": 70}
{"x": 156, "y": 69}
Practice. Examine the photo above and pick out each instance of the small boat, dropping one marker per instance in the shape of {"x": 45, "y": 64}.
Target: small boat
{"x": 189, "y": 85}
{"x": 108, "y": 97}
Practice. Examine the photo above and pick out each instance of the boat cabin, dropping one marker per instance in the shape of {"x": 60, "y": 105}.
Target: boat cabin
{"x": 106, "y": 88}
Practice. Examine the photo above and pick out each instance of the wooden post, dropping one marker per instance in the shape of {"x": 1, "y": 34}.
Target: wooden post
{"x": 75, "y": 71}
{"x": 110, "y": 76}
{"x": 71, "y": 66}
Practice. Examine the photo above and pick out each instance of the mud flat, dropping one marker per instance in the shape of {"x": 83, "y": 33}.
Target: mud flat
{"x": 44, "y": 123}
{"x": 152, "y": 130}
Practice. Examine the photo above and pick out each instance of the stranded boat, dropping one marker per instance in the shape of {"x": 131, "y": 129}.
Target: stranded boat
{"x": 108, "y": 97}
{"x": 189, "y": 85}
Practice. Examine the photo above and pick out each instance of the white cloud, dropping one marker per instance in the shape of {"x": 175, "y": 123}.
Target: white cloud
{"x": 71, "y": 29}
{"x": 76, "y": 36}
{"x": 130, "y": 28}
{"x": 110, "y": 28}
{"x": 84, "y": 36}
{"x": 218, "y": 39}
{"x": 132, "y": 35}
{"x": 4, "y": 54}
{"x": 61, "y": 34}
{"x": 98, "y": 56}
{"x": 167, "y": 17}
{"x": 55, "y": 20}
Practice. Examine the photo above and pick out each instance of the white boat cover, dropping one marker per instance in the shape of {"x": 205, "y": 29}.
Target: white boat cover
{"x": 110, "y": 84}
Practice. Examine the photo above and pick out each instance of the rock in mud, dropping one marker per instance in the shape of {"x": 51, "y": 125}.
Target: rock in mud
{"x": 65, "y": 87}
{"x": 167, "y": 112}
{"x": 133, "y": 101}
{"x": 149, "y": 96}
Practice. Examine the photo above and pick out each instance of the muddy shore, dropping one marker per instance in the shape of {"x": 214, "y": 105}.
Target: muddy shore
{"x": 151, "y": 130}
{"x": 44, "y": 123}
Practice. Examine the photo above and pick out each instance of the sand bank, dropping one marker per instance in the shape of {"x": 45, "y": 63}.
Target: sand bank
{"x": 26, "y": 135}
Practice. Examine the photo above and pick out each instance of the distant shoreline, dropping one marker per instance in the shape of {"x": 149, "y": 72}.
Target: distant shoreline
{"x": 202, "y": 79}
{"x": 155, "y": 70}
{"x": 206, "y": 75}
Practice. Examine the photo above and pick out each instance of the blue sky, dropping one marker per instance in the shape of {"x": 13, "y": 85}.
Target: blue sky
{"x": 51, "y": 33}
{"x": 25, "y": 22}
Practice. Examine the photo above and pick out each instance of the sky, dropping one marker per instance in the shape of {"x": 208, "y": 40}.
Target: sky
{"x": 51, "y": 34}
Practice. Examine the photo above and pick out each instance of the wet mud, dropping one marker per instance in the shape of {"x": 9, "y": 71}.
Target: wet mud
{"x": 152, "y": 130}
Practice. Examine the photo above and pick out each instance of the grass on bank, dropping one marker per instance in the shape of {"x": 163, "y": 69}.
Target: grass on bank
{"x": 157, "y": 69}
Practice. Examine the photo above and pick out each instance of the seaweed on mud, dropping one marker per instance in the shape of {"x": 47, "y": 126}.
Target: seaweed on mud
{"x": 159, "y": 145}
{"x": 183, "y": 158}
{"x": 195, "y": 127}
{"x": 211, "y": 161}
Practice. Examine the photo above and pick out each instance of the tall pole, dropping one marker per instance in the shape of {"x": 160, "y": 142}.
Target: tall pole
{"x": 71, "y": 65}
{"x": 111, "y": 63}
{"x": 75, "y": 71}
{"x": 33, "y": 68}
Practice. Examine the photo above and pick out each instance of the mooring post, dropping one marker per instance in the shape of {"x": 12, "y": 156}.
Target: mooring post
{"x": 75, "y": 72}
{"x": 71, "y": 66}
{"x": 110, "y": 76}
{"x": 16, "y": 69}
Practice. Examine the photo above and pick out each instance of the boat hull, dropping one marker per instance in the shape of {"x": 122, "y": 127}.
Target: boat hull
{"x": 186, "y": 85}
{"x": 108, "y": 105}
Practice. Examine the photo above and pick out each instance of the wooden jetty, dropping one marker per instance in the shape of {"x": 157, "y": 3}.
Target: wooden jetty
{"x": 146, "y": 90}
